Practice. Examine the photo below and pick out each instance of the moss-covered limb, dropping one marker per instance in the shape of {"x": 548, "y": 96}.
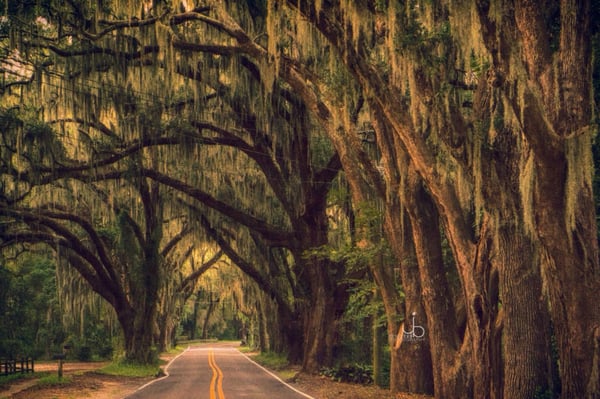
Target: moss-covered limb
{"x": 100, "y": 271}
{"x": 246, "y": 266}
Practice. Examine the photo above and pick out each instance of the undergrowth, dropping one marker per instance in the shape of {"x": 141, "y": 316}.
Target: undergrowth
{"x": 354, "y": 373}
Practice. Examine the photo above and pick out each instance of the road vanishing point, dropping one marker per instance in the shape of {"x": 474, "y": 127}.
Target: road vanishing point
{"x": 216, "y": 371}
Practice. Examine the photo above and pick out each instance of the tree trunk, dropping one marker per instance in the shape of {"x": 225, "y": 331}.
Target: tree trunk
{"x": 571, "y": 274}
{"x": 164, "y": 333}
{"x": 292, "y": 334}
{"x": 138, "y": 340}
{"x": 526, "y": 330}
{"x": 320, "y": 318}
{"x": 377, "y": 355}
{"x": 412, "y": 343}
{"x": 451, "y": 373}
{"x": 326, "y": 297}
{"x": 212, "y": 303}
{"x": 194, "y": 326}
{"x": 554, "y": 105}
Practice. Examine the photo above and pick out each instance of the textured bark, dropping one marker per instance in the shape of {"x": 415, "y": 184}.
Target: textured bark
{"x": 418, "y": 375}
{"x": 527, "y": 368}
{"x": 325, "y": 296}
{"x": 325, "y": 303}
{"x": 137, "y": 336}
{"x": 320, "y": 321}
{"x": 571, "y": 276}
{"x": 292, "y": 335}
{"x": 555, "y": 107}
{"x": 451, "y": 371}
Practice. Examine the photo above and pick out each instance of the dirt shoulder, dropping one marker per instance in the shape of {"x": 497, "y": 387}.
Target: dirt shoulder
{"x": 87, "y": 383}
{"x": 324, "y": 388}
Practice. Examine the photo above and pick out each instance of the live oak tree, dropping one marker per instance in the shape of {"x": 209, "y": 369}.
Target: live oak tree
{"x": 181, "y": 275}
{"x": 120, "y": 129}
{"x": 479, "y": 107}
{"x": 490, "y": 104}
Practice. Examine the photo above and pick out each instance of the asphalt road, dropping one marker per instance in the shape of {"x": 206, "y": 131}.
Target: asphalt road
{"x": 216, "y": 372}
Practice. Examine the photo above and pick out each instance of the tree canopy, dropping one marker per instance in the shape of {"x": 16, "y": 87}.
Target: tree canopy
{"x": 138, "y": 135}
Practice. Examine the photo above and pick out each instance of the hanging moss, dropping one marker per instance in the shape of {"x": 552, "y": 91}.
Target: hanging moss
{"x": 580, "y": 172}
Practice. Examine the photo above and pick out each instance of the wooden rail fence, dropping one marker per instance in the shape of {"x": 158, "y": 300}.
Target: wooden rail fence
{"x": 14, "y": 366}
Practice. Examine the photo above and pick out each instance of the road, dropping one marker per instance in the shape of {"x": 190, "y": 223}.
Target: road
{"x": 216, "y": 371}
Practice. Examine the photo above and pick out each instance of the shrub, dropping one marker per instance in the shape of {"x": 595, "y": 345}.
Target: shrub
{"x": 354, "y": 373}
{"x": 84, "y": 353}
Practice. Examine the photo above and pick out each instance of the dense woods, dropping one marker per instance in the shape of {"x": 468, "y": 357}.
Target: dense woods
{"x": 314, "y": 177}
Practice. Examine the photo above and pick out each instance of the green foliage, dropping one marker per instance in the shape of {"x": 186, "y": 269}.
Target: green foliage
{"x": 272, "y": 360}
{"x": 477, "y": 65}
{"x": 7, "y": 380}
{"x": 422, "y": 40}
{"x": 364, "y": 303}
{"x": 321, "y": 150}
{"x": 28, "y": 307}
{"x": 381, "y": 5}
{"x": 25, "y": 8}
{"x": 84, "y": 353}
{"x": 354, "y": 373}
{"x": 129, "y": 369}
{"x": 53, "y": 380}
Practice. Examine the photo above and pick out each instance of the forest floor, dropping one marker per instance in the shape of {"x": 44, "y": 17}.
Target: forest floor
{"x": 86, "y": 382}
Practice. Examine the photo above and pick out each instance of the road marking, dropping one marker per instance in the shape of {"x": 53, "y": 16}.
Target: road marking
{"x": 216, "y": 382}
{"x": 166, "y": 371}
{"x": 275, "y": 376}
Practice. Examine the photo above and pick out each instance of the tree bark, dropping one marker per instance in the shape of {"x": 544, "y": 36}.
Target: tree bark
{"x": 326, "y": 302}
{"x": 451, "y": 371}
{"x": 138, "y": 340}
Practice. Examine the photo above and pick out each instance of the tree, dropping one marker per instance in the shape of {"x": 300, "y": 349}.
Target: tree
{"x": 486, "y": 136}
{"x": 125, "y": 128}
{"x": 177, "y": 287}
{"x": 29, "y": 310}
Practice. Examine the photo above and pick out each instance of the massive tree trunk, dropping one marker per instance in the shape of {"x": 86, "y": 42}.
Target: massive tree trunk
{"x": 526, "y": 329}
{"x": 554, "y": 107}
{"x": 569, "y": 260}
{"x": 320, "y": 318}
{"x": 292, "y": 335}
{"x": 450, "y": 357}
{"x": 414, "y": 375}
{"x": 326, "y": 295}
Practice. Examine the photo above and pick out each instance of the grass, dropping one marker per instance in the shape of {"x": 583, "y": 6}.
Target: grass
{"x": 8, "y": 379}
{"x": 276, "y": 362}
{"x": 246, "y": 349}
{"x": 43, "y": 379}
{"x": 272, "y": 360}
{"x": 127, "y": 369}
{"x": 53, "y": 380}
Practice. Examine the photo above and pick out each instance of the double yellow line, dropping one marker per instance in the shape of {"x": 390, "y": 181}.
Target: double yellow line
{"x": 216, "y": 383}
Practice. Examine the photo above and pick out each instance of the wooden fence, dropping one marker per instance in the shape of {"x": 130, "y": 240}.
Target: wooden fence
{"x": 14, "y": 366}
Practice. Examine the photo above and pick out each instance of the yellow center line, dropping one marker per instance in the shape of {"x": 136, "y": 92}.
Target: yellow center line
{"x": 216, "y": 382}
{"x": 214, "y": 376}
